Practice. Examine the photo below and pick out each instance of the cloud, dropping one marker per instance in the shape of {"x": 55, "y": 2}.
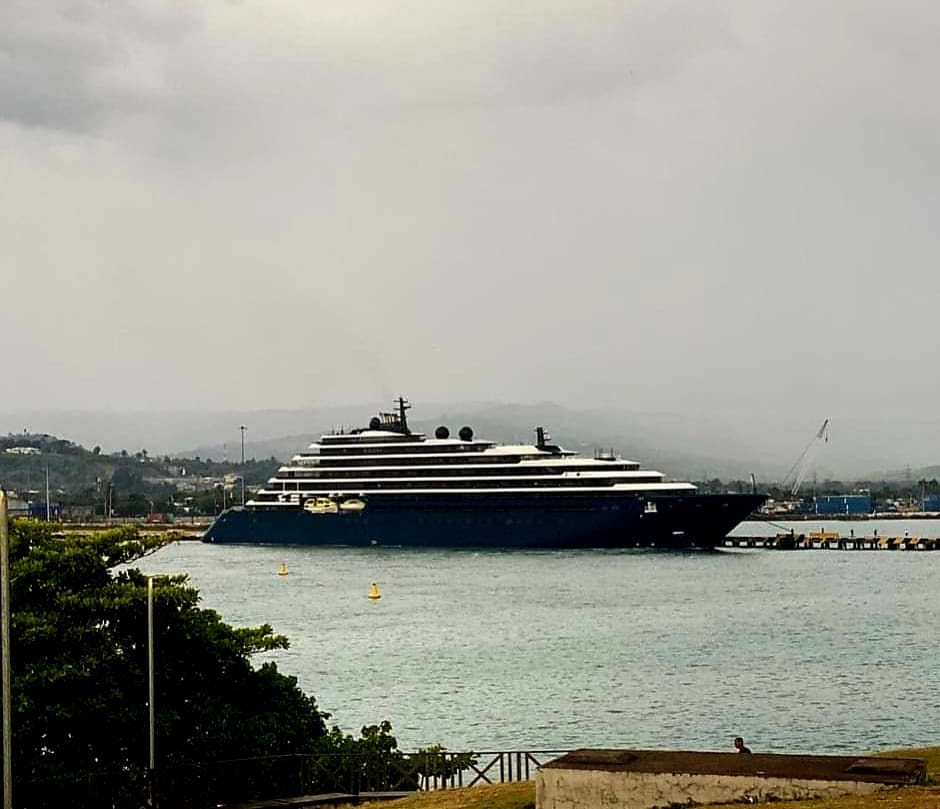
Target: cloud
{"x": 221, "y": 71}
{"x": 75, "y": 64}
{"x": 643, "y": 201}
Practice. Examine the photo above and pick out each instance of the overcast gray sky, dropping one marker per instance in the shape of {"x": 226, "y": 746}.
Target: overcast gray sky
{"x": 652, "y": 205}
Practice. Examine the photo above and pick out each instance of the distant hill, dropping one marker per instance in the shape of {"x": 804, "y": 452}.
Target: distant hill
{"x": 686, "y": 445}
{"x": 133, "y": 484}
{"x": 575, "y": 430}
{"x": 921, "y": 473}
{"x": 168, "y": 432}
{"x": 728, "y": 446}
{"x": 281, "y": 448}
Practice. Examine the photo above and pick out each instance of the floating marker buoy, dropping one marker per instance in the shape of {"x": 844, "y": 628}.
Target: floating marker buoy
{"x": 282, "y": 570}
{"x": 374, "y": 593}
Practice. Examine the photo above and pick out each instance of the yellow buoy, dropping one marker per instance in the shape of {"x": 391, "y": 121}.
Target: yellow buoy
{"x": 374, "y": 593}
{"x": 282, "y": 570}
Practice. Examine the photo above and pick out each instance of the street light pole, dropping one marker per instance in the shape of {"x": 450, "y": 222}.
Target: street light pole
{"x": 242, "y": 428}
{"x": 151, "y": 708}
{"x": 5, "y": 654}
{"x": 150, "y": 674}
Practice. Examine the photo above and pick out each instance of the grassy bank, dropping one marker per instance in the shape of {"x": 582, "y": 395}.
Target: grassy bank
{"x": 930, "y": 754}
{"x": 522, "y": 795}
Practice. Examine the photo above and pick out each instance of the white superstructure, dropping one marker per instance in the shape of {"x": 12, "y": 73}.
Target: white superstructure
{"x": 388, "y": 459}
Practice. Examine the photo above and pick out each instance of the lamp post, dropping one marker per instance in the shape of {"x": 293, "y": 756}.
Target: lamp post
{"x": 151, "y": 763}
{"x": 150, "y": 674}
{"x": 243, "y": 428}
{"x": 5, "y": 654}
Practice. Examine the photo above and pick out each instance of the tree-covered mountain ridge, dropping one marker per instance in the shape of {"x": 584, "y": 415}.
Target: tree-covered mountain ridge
{"x": 123, "y": 483}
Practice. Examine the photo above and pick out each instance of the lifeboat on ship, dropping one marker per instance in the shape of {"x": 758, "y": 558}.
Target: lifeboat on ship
{"x": 321, "y": 505}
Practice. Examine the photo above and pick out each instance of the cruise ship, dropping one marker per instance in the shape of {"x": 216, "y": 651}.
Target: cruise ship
{"x": 387, "y": 485}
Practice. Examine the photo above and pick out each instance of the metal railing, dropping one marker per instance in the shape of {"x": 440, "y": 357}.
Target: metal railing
{"x": 200, "y": 785}
{"x": 511, "y": 765}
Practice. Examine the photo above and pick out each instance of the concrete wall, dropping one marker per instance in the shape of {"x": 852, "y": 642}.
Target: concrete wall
{"x": 557, "y": 788}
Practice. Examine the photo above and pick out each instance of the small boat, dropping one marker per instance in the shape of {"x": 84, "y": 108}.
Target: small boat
{"x": 282, "y": 570}
{"x": 353, "y": 504}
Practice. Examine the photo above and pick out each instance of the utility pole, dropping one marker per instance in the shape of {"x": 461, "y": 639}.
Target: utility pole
{"x": 150, "y": 688}
{"x": 152, "y": 759}
{"x": 5, "y": 654}
{"x": 242, "y": 428}
{"x": 48, "y": 505}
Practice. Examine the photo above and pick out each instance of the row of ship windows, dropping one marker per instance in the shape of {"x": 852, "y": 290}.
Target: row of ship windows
{"x": 397, "y": 449}
{"x": 455, "y": 518}
{"x": 366, "y": 472}
{"x": 346, "y": 438}
{"x": 417, "y": 460}
{"x": 328, "y": 486}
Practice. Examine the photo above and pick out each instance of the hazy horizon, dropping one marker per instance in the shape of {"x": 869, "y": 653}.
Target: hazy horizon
{"x": 700, "y": 209}
{"x": 725, "y": 445}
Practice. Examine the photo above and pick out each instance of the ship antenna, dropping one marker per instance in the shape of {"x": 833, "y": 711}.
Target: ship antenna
{"x": 402, "y": 407}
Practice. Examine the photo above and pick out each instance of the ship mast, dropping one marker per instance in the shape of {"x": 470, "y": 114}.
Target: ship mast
{"x": 403, "y": 405}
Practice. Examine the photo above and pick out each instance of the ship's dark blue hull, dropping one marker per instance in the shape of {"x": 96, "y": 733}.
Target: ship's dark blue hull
{"x": 492, "y": 520}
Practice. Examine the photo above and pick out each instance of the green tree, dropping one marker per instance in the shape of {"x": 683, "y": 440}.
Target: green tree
{"x": 434, "y": 765}
{"x": 373, "y": 762}
{"x": 79, "y": 642}
{"x": 136, "y": 505}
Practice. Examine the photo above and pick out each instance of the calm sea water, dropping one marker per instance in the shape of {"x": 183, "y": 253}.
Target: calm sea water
{"x": 815, "y": 651}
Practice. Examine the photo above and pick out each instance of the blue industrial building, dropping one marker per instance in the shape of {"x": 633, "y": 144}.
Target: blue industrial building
{"x": 38, "y": 511}
{"x": 844, "y": 504}
{"x": 932, "y": 502}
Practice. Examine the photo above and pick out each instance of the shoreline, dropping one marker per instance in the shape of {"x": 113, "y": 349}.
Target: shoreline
{"x": 187, "y": 530}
